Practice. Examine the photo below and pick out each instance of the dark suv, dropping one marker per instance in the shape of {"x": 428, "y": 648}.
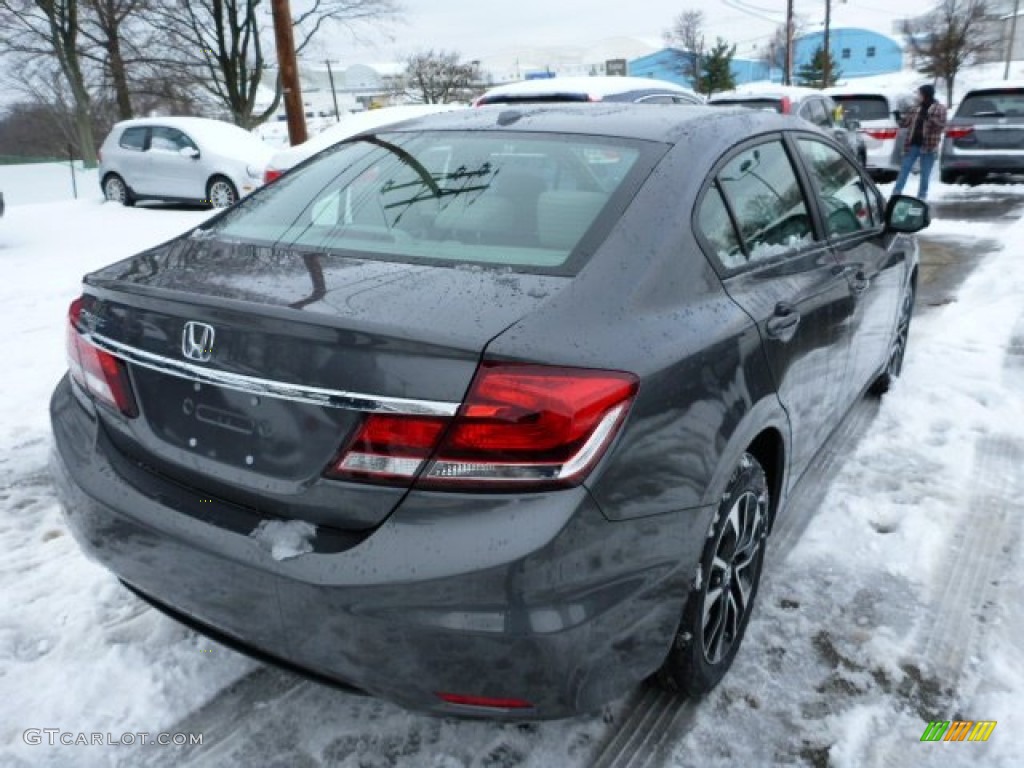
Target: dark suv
{"x": 986, "y": 135}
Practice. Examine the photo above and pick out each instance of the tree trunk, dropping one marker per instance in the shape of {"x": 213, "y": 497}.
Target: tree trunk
{"x": 120, "y": 79}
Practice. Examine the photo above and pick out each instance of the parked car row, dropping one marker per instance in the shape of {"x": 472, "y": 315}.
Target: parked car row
{"x": 208, "y": 161}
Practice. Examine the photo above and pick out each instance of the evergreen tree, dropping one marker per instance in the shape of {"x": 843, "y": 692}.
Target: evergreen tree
{"x": 716, "y": 69}
{"x": 812, "y": 74}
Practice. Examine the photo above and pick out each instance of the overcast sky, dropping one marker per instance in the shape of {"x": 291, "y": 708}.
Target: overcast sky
{"x": 478, "y": 28}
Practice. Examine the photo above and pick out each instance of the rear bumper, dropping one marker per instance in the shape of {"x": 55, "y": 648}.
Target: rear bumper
{"x": 537, "y": 597}
{"x": 987, "y": 162}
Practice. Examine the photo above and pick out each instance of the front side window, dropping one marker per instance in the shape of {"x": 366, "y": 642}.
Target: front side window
{"x": 762, "y": 188}
{"x": 133, "y": 138}
{"x": 510, "y": 200}
{"x": 844, "y": 194}
{"x": 168, "y": 139}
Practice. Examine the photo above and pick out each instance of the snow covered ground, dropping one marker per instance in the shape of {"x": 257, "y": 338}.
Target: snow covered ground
{"x": 898, "y": 601}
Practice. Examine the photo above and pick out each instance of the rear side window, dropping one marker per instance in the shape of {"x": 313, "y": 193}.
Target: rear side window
{"x": 717, "y": 227}
{"x": 762, "y": 189}
{"x": 864, "y": 108}
{"x": 519, "y": 201}
{"x": 844, "y": 194}
{"x": 997, "y": 102}
{"x": 133, "y": 138}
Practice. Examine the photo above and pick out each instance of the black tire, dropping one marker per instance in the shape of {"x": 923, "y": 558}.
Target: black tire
{"x": 722, "y": 596}
{"x": 220, "y": 192}
{"x": 116, "y": 190}
{"x": 898, "y": 348}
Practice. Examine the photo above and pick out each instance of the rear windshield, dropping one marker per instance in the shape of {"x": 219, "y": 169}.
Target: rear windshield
{"x": 528, "y": 202}
{"x": 771, "y": 105}
{"x": 864, "y": 107}
{"x": 533, "y": 98}
{"x": 998, "y": 102}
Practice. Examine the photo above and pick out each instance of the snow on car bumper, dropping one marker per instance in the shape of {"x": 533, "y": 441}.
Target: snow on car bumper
{"x": 536, "y": 597}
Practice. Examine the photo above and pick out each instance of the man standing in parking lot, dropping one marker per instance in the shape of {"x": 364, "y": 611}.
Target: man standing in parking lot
{"x": 924, "y": 123}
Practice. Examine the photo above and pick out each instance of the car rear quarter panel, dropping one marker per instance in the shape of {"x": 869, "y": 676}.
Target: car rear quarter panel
{"x": 650, "y": 303}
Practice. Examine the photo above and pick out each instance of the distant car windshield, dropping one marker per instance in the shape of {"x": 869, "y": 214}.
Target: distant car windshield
{"x": 519, "y": 201}
{"x": 997, "y": 102}
{"x": 770, "y": 105}
{"x": 864, "y": 108}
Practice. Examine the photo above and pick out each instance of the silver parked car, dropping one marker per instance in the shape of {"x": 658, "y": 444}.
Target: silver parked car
{"x": 876, "y": 112}
{"x": 181, "y": 159}
{"x": 809, "y": 104}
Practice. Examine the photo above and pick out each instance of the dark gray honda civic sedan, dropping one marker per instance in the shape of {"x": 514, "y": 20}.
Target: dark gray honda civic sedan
{"x": 491, "y": 412}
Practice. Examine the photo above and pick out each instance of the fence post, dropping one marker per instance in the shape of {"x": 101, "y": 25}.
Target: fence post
{"x": 71, "y": 165}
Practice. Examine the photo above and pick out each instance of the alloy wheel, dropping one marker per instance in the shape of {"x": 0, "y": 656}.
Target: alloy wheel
{"x": 114, "y": 190}
{"x": 222, "y": 194}
{"x": 733, "y": 575}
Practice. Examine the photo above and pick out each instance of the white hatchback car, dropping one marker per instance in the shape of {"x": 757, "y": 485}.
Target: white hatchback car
{"x": 181, "y": 159}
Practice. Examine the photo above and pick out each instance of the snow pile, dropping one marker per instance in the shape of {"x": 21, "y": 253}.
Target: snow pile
{"x": 285, "y": 539}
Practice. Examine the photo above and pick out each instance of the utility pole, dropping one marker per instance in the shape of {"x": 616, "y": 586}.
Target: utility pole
{"x": 787, "y": 75}
{"x": 1013, "y": 39}
{"x": 289, "y": 70}
{"x": 827, "y": 65}
{"x": 334, "y": 93}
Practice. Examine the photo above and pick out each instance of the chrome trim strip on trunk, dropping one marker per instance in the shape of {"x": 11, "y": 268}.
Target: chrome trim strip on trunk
{"x": 331, "y": 398}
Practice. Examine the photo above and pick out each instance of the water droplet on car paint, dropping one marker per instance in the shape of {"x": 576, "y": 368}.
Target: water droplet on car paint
{"x": 197, "y": 386}
{"x": 249, "y": 460}
{"x": 255, "y": 401}
{"x": 193, "y": 442}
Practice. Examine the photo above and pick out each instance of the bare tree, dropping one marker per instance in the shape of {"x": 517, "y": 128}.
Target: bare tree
{"x": 221, "y": 46}
{"x": 35, "y": 30}
{"x": 773, "y": 53}
{"x": 951, "y": 36}
{"x": 439, "y": 77}
{"x": 687, "y": 33}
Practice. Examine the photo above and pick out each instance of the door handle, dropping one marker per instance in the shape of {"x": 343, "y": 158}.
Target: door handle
{"x": 860, "y": 282}
{"x": 782, "y": 325}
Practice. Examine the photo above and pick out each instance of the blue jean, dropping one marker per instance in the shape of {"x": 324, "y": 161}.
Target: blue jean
{"x": 909, "y": 158}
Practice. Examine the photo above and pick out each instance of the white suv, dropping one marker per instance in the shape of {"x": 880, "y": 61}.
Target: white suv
{"x": 182, "y": 159}
{"x": 876, "y": 110}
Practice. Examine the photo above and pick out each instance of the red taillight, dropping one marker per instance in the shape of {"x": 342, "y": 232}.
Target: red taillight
{"x": 465, "y": 700}
{"x": 520, "y": 426}
{"x": 97, "y": 371}
{"x": 882, "y": 134}
{"x": 959, "y": 131}
{"x": 270, "y": 174}
{"x": 787, "y": 105}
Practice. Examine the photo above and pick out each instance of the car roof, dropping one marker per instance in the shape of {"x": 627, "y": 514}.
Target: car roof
{"x": 995, "y": 85}
{"x": 853, "y": 89}
{"x": 184, "y": 123}
{"x": 768, "y": 91}
{"x": 596, "y": 87}
{"x": 665, "y": 123}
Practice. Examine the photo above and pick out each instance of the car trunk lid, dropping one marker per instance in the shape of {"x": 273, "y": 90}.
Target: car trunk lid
{"x": 253, "y": 366}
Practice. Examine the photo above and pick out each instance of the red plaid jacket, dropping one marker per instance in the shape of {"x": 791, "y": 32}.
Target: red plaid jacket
{"x": 934, "y": 125}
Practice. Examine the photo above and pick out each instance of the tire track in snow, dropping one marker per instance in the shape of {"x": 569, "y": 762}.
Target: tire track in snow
{"x": 655, "y": 720}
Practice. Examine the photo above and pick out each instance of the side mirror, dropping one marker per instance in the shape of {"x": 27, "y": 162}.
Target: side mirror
{"x": 190, "y": 152}
{"x": 906, "y": 214}
{"x": 897, "y": 115}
